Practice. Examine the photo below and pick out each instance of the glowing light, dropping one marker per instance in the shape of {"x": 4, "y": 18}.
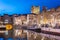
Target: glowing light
{"x": 8, "y": 27}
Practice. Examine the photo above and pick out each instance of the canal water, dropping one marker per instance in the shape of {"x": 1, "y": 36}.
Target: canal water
{"x": 31, "y": 35}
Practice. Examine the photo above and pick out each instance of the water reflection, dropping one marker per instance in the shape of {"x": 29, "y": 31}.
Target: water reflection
{"x": 31, "y": 35}
{"x": 39, "y": 36}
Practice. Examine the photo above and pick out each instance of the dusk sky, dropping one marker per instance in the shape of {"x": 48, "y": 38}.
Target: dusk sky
{"x": 24, "y": 6}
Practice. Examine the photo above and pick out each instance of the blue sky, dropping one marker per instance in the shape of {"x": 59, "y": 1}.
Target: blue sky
{"x": 24, "y": 6}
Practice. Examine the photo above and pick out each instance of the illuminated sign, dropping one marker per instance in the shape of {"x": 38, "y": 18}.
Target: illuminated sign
{"x": 8, "y": 27}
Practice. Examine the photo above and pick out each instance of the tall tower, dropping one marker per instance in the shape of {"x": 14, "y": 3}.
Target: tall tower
{"x": 44, "y": 9}
{"x": 35, "y": 9}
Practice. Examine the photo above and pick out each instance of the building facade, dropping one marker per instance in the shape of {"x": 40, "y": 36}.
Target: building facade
{"x": 35, "y": 9}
